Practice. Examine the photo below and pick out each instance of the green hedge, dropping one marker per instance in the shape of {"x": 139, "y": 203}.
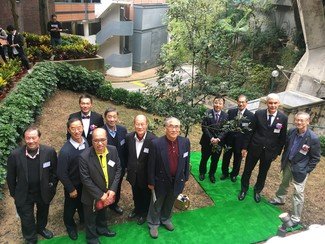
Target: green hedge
{"x": 322, "y": 144}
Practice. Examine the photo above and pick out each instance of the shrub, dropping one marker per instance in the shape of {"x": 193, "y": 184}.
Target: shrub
{"x": 135, "y": 100}
{"x": 322, "y": 144}
{"x": 105, "y": 91}
{"x": 8, "y": 71}
{"x": 120, "y": 95}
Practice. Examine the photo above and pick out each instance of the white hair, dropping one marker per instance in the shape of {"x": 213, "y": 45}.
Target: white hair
{"x": 169, "y": 120}
{"x": 273, "y": 96}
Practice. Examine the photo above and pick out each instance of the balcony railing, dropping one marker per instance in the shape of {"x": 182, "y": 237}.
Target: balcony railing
{"x": 114, "y": 28}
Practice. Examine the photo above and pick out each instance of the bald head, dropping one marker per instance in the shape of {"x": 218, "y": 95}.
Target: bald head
{"x": 140, "y": 125}
{"x": 99, "y": 140}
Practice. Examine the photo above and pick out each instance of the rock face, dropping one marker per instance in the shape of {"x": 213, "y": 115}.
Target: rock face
{"x": 309, "y": 74}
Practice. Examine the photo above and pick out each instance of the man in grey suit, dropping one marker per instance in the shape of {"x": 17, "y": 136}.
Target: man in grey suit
{"x": 168, "y": 170}
{"x": 32, "y": 180}
{"x": 100, "y": 172}
{"x": 300, "y": 156}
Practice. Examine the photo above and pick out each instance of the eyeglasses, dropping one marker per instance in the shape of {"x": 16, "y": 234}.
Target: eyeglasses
{"x": 75, "y": 129}
{"x": 97, "y": 141}
{"x": 177, "y": 127}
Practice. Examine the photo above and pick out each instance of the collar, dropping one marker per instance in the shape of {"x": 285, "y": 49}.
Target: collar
{"x": 215, "y": 112}
{"x": 109, "y": 130}
{"x": 170, "y": 142}
{"x": 30, "y": 156}
{"x": 274, "y": 115}
{"x": 102, "y": 154}
{"x": 75, "y": 144}
{"x": 82, "y": 114}
{"x": 242, "y": 111}
{"x": 137, "y": 139}
{"x": 300, "y": 135}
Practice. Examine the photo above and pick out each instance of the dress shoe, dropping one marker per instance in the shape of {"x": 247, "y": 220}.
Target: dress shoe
{"x": 257, "y": 197}
{"x": 233, "y": 178}
{"x": 153, "y": 232}
{"x": 117, "y": 209}
{"x": 241, "y": 195}
{"x": 201, "y": 177}
{"x": 223, "y": 177}
{"x": 212, "y": 179}
{"x": 108, "y": 233}
{"x": 47, "y": 234}
{"x": 275, "y": 202}
{"x": 141, "y": 220}
{"x": 132, "y": 214}
{"x": 169, "y": 226}
{"x": 73, "y": 235}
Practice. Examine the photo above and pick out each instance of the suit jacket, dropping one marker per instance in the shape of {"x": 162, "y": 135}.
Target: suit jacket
{"x": 18, "y": 39}
{"x": 267, "y": 137}
{"x": 302, "y": 164}
{"x": 92, "y": 176}
{"x": 17, "y": 174}
{"x": 158, "y": 166}
{"x": 208, "y": 133}
{"x": 121, "y": 148}
{"x": 137, "y": 168}
{"x": 95, "y": 119}
{"x": 236, "y": 139}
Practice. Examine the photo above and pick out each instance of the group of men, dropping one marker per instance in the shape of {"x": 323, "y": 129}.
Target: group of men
{"x": 261, "y": 138}
{"x": 91, "y": 165}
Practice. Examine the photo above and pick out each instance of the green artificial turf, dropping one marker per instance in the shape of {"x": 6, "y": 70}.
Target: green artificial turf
{"x": 228, "y": 221}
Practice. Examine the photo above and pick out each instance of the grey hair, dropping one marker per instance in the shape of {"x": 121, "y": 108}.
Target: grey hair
{"x": 273, "y": 96}
{"x": 169, "y": 119}
{"x": 306, "y": 115}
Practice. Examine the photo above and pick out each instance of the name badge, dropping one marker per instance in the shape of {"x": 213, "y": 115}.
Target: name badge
{"x": 46, "y": 164}
{"x": 277, "y": 131}
{"x": 185, "y": 154}
{"x": 81, "y": 147}
{"x": 146, "y": 150}
{"x": 111, "y": 163}
{"x": 303, "y": 152}
{"x": 122, "y": 142}
{"x": 244, "y": 124}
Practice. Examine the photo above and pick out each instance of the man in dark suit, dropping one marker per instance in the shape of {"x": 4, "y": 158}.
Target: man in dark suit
{"x": 31, "y": 178}
{"x": 116, "y": 137}
{"x": 68, "y": 174}
{"x": 16, "y": 46}
{"x": 168, "y": 170}
{"x": 137, "y": 144}
{"x": 234, "y": 139}
{"x": 100, "y": 173}
{"x": 267, "y": 139}
{"x": 212, "y": 138}
{"x": 90, "y": 119}
{"x": 300, "y": 156}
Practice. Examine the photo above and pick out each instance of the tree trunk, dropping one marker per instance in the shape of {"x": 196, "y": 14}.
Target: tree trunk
{"x": 43, "y": 14}
{"x": 14, "y": 13}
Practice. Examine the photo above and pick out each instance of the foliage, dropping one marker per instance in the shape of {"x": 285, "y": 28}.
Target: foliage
{"x": 322, "y": 144}
{"x": 105, "y": 91}
{"x": 8, "y": 71}
{"x": 120, "y": 95}
{"x": 72, "y": 47}
{"x": 134, "y": 100}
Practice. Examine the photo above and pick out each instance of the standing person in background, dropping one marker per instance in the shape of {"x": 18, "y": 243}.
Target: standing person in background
{"x": 68, "y": 174}
{"x": 90, "y": 119}
{"x": 234, "y": 140}
{"x": 55, "y": 28}
{"x": 116, "y": 137}
{"x": 137, "y": 144}
{"x": 168, "y": 170}
{"x": 3, "y": 44}
{"x": 16, "y": 46}
{"x": 32, "y": 180}
{"x": 211, "y": 138}
{"x": 300, "y": 156}
{"x": 266, "y": 142}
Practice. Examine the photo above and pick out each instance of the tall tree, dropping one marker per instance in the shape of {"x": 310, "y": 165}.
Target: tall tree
{"x": 14, "y": 13}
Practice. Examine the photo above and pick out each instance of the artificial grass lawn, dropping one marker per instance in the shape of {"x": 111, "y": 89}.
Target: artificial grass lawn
{"x": 228, "y": 221}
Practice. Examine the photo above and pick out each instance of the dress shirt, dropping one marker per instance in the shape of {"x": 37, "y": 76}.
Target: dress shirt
{"x": 139, "y": 143}
{"x": 86, "y": 123}
{"x": 273, "y": 116}
{"x": 103, "y": 163}
{"x": 296, "y": 142}
{"x": 172, "y": 156}
{"x": 77, "y": 145}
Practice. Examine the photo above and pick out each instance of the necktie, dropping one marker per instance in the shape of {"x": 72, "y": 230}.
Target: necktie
{"x": 269, "y": 120}
{"x": 217, "y": 118}
{"x": 240, "y": 115}
{"x": 85, "y": 117}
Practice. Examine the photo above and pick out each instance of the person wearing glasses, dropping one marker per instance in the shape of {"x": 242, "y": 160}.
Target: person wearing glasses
{"x": 212, "y": 138}
{"x": 68, "y": 174}
{"x": 168, "y": 170}
{"x": 90, "y": 119}
{"x": 100, "y": 173}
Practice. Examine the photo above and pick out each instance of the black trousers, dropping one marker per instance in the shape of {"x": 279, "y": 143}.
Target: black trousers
{"x": 251, "y": 161}
{"x": 95, "y": 223}
{"x": 141, "y": 198}
{"x": 2, "y": 53}
{"x": 226, "y": 162}
{"x": 29, "y": 227}
{"x": 206, "y": 152}
{"x": 70, "y": 207}
{"x": 118, "y": 192}
{"x": 22, "y": 58}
